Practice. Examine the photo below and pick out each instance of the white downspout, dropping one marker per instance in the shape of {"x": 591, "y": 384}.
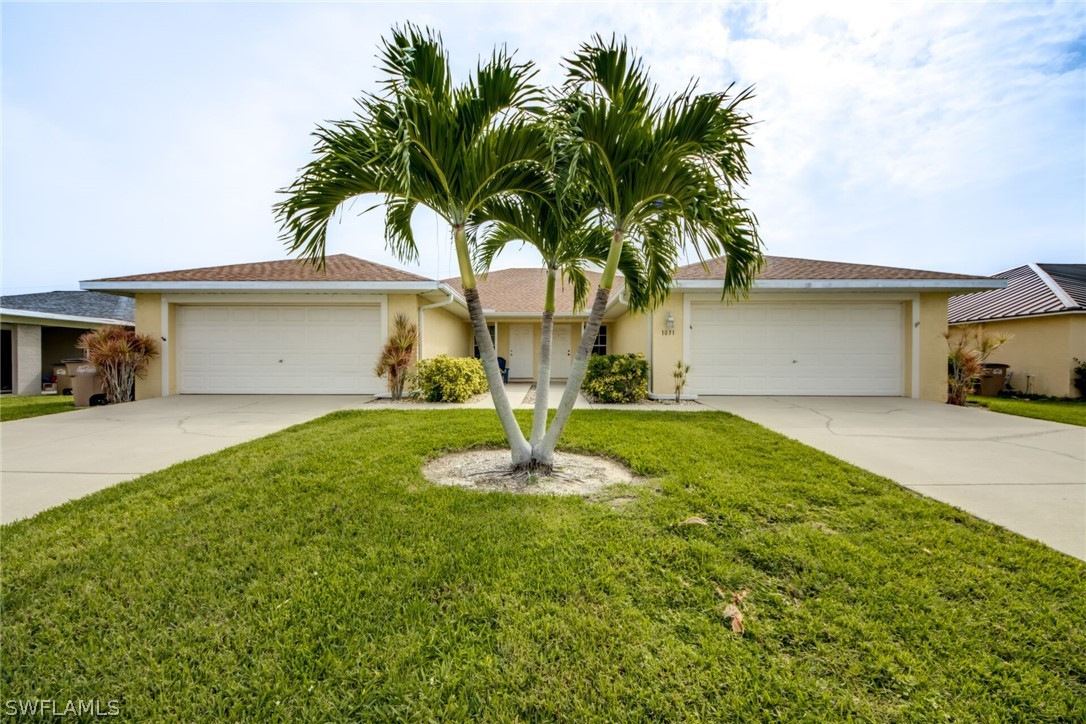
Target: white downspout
{"x": 422, "y": 321}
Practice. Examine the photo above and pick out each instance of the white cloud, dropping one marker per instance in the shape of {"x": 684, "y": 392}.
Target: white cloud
{"x": 146, "y": 137}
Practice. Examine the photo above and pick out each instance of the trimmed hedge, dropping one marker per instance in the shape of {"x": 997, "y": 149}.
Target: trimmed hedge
{"x": 450, "y": 379}
{"x": 617, "y": 378}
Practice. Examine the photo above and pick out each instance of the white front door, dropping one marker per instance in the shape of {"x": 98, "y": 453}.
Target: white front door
{"x": 521, "y": 351}
{"x": 560, "y": 352}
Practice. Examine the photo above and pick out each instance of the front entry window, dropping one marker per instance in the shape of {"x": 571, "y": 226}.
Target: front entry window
{"x": 600, "y": 345}
{"x": 493, "y": 339}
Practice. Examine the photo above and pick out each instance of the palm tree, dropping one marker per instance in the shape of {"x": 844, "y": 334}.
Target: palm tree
{"x": 423, "y": 141}
{"x": 562, "y": 230}
{"x": 661, "y": 175}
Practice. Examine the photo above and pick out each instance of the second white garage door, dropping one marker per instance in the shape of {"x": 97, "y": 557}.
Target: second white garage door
{"x": 278, "y": 349}
{"x": 796, "y": 349}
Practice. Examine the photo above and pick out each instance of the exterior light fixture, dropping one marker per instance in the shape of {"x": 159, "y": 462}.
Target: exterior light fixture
{"x": 670, "y": 322}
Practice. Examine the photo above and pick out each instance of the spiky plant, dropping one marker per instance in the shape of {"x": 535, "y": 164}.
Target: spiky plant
{"x": 121, "y": 356}
{"x": 398, "y": 354}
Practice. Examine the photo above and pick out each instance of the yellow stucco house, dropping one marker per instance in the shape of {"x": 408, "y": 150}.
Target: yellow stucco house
{"x": 1042, "y": 309}
{"x": 808, "y": 328}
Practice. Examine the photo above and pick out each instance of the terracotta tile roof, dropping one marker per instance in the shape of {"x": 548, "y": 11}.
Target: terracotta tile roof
{"x": 1027, "y": 293}
{"x": 783, "y": 267}
{"x": 513, "y": 291}
{"x": 94, "y": 305}
{"x": 338, "y": 268}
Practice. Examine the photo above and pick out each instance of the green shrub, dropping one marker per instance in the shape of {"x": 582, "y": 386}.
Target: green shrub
{"x": 617, "y": 378}
{"x": 450, "y": 379}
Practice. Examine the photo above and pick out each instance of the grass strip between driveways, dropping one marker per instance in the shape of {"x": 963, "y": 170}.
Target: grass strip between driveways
{"x": 19, "y": 408}
{"x": 314, "y": 575}
{"x": 1069, "y": 412}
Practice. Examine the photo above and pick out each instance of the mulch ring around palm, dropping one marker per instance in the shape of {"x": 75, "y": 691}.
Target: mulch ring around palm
{"x": 490, "y": 470}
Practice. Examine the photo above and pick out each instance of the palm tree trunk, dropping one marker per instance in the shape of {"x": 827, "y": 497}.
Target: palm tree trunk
{"x": 519, "y": 447}
{"x": 543, "y": 380}
{"x": 543, "y": 452}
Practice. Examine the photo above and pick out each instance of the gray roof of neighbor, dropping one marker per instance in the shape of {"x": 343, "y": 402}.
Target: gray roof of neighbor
{"x": 93, "y": 305}
{"x": 1031, "y": 289}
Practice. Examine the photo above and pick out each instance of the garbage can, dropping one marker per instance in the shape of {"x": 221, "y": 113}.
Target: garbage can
{"x": 61, "y": 378}
{"x": 992, "y": 379}
{"x": 85, "y": 381}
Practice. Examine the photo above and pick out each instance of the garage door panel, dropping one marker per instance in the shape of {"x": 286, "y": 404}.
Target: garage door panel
{"x": 796, "y": 349}
{"x": 278, "y": 349}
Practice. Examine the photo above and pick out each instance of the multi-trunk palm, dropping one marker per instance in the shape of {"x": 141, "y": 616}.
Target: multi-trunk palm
{"x": 626, "y": 178}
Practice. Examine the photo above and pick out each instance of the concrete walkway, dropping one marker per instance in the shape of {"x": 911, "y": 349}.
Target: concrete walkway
{"x": 1026, "y": 475}
{"x": 518, "y": 398}
{"x": 49, "y": 460}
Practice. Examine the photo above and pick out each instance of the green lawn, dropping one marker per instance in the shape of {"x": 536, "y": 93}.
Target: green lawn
{"x": 1071, "y": 412}
{"x": 17, "y": 408}
{"x": 314, "y": 575}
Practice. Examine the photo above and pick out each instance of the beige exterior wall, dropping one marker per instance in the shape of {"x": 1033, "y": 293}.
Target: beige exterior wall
{"x": 405, "y": 304}
{"x": 933, "y": 349}
{"x": 444, "y": 333}
{"x": 26, "y": 359}
{"x": 1040, "y": 352}
{"x": 149, "y": 321}
{"x": 667, "y": 345}
{"x": 629, "y": 334}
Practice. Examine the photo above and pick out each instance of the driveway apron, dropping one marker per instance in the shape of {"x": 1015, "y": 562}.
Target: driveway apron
{"x": 1026, "y": 475}
{"x": 52, "y": 459}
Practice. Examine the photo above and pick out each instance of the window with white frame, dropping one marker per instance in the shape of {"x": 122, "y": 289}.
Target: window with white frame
{"x": 493, "y": 339}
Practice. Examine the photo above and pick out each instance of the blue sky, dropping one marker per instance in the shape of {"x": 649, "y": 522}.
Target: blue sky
{"x": 143, "y": 137}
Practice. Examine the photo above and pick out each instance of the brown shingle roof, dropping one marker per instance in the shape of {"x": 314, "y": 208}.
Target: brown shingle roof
{"x": 783, "y": 267}
{"x": 338, "y": 268}
{"x": 1027, "y": 293}
{"x": 514, "y": 291}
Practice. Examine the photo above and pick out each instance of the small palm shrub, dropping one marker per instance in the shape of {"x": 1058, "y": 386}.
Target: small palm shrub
{"x": 450, "y": 379}
{"x": 617, "y": 378}
{"x": 968, "y": 347}
{"x": 679, "y": 373}
{"x": 121, "y": 355}
{"x": 397, "y": 355}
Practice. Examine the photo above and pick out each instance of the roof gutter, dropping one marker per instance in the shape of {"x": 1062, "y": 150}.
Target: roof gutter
{"x": 49, "y": 316}
{"x": 1020, "y": 317}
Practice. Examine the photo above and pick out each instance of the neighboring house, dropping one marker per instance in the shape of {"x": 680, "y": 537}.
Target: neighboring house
{"x": 1043, "y": 308}
{"x": 40, "y": 329}
{"x": 808, "y": 327}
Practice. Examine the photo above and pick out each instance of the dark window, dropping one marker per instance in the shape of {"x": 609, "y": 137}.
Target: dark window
{"x": 493, "y": 339}
{"x": 600, "y": 345}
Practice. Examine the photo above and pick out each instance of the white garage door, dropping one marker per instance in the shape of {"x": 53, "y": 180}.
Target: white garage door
{"x": 278, "y": 350}
{"x": 795, "y": 349}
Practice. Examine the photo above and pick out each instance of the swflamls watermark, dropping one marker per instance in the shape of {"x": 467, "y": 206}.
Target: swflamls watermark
{"x": 61, "y": 707}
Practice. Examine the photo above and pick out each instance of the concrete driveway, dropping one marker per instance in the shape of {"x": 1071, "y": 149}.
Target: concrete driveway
{"x": 49, "y": 460}
{"x": 1026, "y": 475}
